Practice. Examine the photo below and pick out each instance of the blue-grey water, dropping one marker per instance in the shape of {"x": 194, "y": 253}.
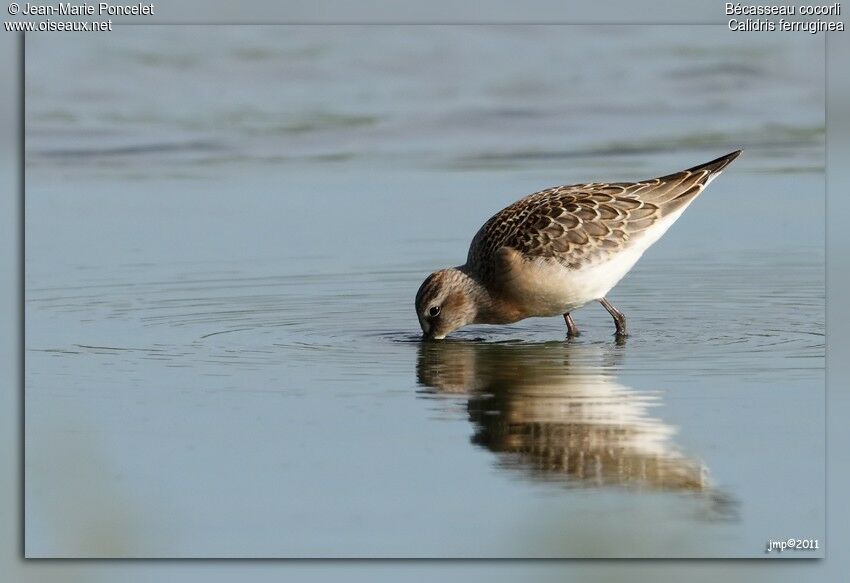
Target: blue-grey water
{"x": 225, "y": 229}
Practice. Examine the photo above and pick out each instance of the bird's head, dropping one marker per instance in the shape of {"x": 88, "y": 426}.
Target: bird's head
{"x": 445, "y": 302}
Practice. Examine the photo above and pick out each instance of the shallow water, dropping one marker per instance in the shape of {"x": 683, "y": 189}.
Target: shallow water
{"x": 225, "y": 231}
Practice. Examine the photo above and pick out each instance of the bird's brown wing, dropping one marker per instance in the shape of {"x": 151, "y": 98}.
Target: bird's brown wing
{"x": 583, "y": 223}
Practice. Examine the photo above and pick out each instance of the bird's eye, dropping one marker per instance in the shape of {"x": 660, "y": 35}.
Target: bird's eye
{"x": 434, "y": 311}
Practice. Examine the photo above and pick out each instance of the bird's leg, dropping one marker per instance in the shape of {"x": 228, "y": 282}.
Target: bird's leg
{"x": 572, "y": 329}
{"x": 619, "y": 319}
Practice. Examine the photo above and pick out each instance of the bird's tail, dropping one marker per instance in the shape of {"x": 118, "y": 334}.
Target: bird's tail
{"x": 715, "y": 166}
{"x": 674, "y": 191}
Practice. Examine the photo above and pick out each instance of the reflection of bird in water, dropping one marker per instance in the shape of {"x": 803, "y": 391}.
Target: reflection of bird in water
{"x": 554, "y": 410}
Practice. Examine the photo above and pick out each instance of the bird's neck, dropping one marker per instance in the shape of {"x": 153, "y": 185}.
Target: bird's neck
{"x": 490, "y": 307}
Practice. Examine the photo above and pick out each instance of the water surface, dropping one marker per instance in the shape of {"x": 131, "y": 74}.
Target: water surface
{"x": 226, "y": 227}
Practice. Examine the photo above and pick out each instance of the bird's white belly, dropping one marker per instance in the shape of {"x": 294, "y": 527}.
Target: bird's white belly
{"x": 548, "y": 288}
{"x": 545, "y": 287}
